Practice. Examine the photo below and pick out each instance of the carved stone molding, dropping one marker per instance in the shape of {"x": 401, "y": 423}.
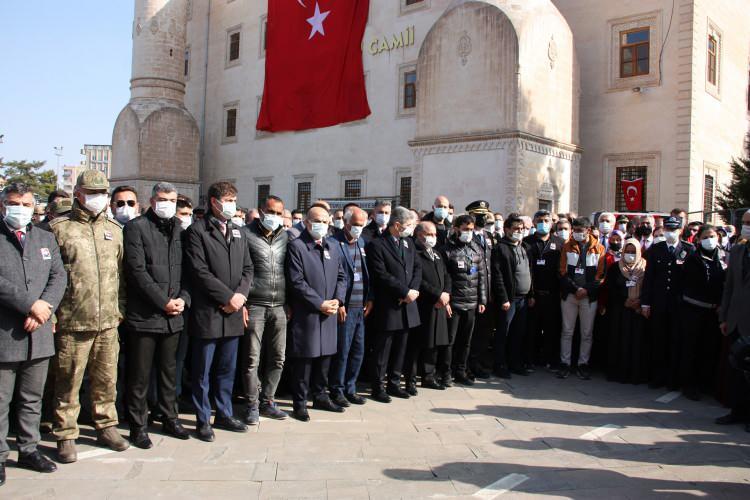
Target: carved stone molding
{"x": 464, "y": 48}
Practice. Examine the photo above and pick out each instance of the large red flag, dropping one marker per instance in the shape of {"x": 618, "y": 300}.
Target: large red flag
{"x": 633, "y": 191}
{"x": 314, "y": 73}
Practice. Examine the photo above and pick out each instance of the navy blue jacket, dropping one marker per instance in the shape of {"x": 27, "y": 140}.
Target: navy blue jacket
{"x": 314, "y": 275}
{"x": 338, "y": 240}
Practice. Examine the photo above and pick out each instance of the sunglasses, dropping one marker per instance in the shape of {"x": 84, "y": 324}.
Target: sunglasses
{"x": 121, "y": 203}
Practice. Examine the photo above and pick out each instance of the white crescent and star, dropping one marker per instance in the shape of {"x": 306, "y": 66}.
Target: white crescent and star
{"x": 316, "y": 21}
{"x": 627, "y": 192}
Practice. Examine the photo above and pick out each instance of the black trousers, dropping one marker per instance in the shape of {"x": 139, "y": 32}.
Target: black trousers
{"x": 389, "y": 351}
{"x": 544, "y": 322}
{"x": 414, "y": 350}
{"x": 739, "y": 390}
{"x": 145, "y": 350}
{"x": 309, "y": 376}
{"x": 700, "y": 335}
{"x": 484, "y": 325}
{"x": 436, "y": 362}
{"x": 664, "y": 336}
{"x": 461, "y": 329}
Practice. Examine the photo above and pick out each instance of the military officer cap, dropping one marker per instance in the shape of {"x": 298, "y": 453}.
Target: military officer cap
{"x": 673, "y": 223}
{"x": 623, "y": 219}
{"x": 93, "y": 179}
{"x": 61, "y": 206}
{"x": 479, "y": 207}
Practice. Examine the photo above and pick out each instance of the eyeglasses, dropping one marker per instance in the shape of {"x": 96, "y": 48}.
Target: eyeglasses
{"x": 121, "y": 203}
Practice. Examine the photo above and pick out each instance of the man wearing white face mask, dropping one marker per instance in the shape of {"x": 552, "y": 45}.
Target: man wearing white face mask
{"x": 381, "y": 215}
{"x": 267, "y": 242}
{"x": 33, "y": 283}
{"x": 352, "y": 313}
{"x": 154, "y": 319}
{"x": 606, "y": 226}
{"x": 124, "y": 204}
{"x": 439, "y": 217}
{"x": 91, "y": 246}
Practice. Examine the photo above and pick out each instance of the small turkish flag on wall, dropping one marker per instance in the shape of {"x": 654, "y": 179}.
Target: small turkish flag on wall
{"x": 314, "y": 72}
{"x": 633, "y": 191}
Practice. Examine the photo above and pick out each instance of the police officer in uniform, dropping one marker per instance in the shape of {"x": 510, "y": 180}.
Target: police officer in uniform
{"x": 484, "y": 325}
{"x": 661, "y": 298}
{"x": 91, "y": 246}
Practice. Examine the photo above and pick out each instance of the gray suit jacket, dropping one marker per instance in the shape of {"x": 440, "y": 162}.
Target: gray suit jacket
{"x": 27, "y": 274}
{"x": 735, "y": 304}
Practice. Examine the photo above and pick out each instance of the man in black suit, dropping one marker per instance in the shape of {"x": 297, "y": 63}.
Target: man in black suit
{"x": 661, "y": 299}
{"x": 154, "y": 318}
{"x": 432, "y": 338}
{"x": 221, "y": 276}
{"x": 381, "y": 214}
{"x": 396, "y": 276}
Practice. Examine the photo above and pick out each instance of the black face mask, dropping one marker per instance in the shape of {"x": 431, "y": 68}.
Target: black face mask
{"x": 644, "y": 231}
{"x": 615, "y": 247}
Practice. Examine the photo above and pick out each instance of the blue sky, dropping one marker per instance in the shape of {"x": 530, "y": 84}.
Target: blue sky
{"x": 64, "y": 75}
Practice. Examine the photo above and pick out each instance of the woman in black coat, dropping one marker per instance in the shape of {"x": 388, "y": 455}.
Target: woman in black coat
{"x": 627, "y": 361}
{"x": 433, "y": 335}
{"x": 703, "y": 286}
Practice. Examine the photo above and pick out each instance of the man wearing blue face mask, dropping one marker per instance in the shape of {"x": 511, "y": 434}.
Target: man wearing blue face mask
{"x": 267, "y": 244}
{"x": 542, "y": 346}
{"x": 439, "y": 217}
{"x": 381, "y": 215}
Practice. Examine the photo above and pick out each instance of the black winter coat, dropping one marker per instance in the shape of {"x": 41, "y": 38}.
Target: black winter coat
{"x": 465, "y": 263}
{"x": 153, "y": 272}
{"x": 219, "y": 267}
{"x": 435, "y": 280}
{"x": 663, "y": 282}
{"x": 503, "y": 271}
{"x": 269, "y": 261}
{"x": 392, "y": 278}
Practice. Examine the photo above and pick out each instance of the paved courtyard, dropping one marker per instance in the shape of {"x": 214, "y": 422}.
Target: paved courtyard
{"x": 528, "y": 437}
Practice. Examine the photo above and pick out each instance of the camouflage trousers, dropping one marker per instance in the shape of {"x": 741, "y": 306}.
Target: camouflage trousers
{"x": 77, "y": 352}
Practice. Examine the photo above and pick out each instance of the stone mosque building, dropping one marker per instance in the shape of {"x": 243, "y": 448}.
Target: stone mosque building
{"x": 525, "y": 103}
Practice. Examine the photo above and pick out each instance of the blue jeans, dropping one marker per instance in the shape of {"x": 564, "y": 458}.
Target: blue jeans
{"x": 214, "y": 364}
{"x": 509, "y": 335}
{"x": 351, "y": 350}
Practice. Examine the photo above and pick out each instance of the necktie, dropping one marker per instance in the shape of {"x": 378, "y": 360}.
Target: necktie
{"x": 21, "y": 237}
{"x": 671, "y": 250}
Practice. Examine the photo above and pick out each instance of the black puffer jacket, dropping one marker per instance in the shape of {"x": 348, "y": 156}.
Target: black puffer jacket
{"x": 269, "y": 258}
{"x": 466, "y": 268}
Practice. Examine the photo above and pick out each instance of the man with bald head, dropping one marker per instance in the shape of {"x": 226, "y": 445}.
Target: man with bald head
{"x": 317, "y": 287}
{"x": 352, "y": 312}
{"x": 439, "y": 217}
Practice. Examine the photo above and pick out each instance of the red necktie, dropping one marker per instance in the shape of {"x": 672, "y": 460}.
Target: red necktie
{"x": 21, "y": 237}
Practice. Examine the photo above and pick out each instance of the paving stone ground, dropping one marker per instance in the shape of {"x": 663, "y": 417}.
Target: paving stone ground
{"x": 528, "y": 437}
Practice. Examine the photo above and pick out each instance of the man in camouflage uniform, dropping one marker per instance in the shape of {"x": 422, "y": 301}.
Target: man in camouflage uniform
{"x": 91, "y": 246}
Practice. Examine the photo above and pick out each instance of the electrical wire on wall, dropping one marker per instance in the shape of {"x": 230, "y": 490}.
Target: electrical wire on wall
{"x": 664, "y": 42}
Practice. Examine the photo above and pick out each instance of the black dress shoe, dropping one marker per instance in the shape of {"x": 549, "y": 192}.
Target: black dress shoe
{"x": 447, "y": 381}
{"x": 462, "y": 379}
{"x": 431, "y": 384}
{"x": 729, "y": 419}
{"x": 175, "y": 429}
{"x": 411, "y": 390}
{"x": 35, "y": 461}
{"x": 230, "y": 424}
{"x": 397, "y": 392}
{"x": 521, "y": 371}
{"x": 326, "y": 404}
{"x": 301, "y": 414}
{"x": 2, "y": 473}
{"x": 205, "y": 433}
{"x": 381, "y": 396}
{"x": 139, "y": 438}
{"x": 340, "y": 400}
{"x": 692, "y": 394}
{"x": 502, "y": 373}
{"x": 480, "y": 373}
{"x": 355, "y": 399}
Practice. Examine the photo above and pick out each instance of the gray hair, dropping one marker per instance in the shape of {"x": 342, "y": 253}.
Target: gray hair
{"x": 163, "y": 187}
{"x": 401, "y": 215}
{"x": 382, "y": 203}
{"x": 15, "y": 188}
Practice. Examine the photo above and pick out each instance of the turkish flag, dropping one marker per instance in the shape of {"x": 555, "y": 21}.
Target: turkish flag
{"x": 633, "y": 191}
{"x": 314, "y": 72}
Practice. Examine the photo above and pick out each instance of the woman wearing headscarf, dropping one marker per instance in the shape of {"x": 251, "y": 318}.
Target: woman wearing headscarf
{"x": 600, "y": 348}
{"x": 704, "y": 274}
{"x": 627, "y": 360}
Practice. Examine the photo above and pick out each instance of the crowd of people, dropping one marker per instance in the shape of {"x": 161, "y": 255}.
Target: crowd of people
{"x": 210, "y": 306}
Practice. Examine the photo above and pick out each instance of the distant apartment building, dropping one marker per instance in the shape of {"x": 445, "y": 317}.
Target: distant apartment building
{"x": 97, "y": 157}
{"x": 70, "y": 175}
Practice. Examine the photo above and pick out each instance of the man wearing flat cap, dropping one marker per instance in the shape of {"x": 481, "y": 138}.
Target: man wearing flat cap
{"x": 480, "y": 210}
{"x": 91, "y": 247}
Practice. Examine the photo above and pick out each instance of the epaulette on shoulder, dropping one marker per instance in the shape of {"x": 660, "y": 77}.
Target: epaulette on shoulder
{"x": 115, "y": 222}
{"x": 58, "y": 220}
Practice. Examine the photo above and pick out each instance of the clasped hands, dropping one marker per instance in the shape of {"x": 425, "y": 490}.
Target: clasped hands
{"x": 40, "y": 313}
